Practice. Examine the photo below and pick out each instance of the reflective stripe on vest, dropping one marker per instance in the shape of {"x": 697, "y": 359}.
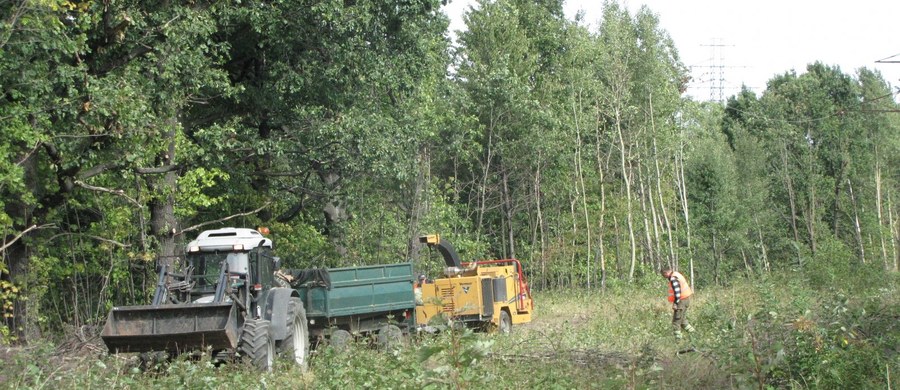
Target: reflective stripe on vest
{"x": 686, "y": 291}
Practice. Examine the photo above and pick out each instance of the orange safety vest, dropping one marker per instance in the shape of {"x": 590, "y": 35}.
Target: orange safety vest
{"x": 686, "y": 291}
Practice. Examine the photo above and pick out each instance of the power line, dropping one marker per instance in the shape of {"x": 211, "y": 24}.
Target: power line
{"x": 889, "y": 60}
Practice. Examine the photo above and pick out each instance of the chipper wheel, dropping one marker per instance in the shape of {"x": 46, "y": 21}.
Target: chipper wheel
{"x": 256, "y": 345}
{"x": 505, "y": 323}
{"x": 296, "y": 345}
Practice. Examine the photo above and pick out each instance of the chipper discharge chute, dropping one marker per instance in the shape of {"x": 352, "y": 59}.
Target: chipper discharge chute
{"x": 185, "y": 327}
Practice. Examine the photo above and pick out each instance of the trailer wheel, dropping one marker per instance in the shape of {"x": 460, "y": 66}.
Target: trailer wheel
{"x": 505, "y": 323}
{"x": 256, "y": 345}
{"x": 296, "y": 345}
{"x": 389, "y": 336}
{"x": 340, "y": 339}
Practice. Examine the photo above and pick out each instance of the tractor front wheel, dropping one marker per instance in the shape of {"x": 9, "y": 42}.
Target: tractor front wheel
{"x": 256, "y": 345}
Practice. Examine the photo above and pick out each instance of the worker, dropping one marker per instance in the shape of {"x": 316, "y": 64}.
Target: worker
{"x": 418, "y": 290}
{"x": 680, "y": 296}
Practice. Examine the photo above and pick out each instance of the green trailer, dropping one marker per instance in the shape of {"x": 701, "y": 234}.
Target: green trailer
{"x": 367, "y": 300}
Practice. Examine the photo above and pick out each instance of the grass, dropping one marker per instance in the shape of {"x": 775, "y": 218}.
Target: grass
{"x": 766, "y": 333}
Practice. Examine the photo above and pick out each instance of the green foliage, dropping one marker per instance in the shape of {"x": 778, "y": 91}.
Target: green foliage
{"x": 191, "y": 194}
{"x": 456, "y": 359}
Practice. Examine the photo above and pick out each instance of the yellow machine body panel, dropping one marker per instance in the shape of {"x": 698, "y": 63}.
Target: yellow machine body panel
{"x": 479, "y": 293}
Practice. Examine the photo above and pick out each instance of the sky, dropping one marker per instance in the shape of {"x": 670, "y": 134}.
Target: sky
{"x": 729, "y": 43}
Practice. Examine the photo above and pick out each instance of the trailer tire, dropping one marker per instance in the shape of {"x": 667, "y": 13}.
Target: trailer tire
{"x": 295, "y": 345}
{"x": 505, "y": 326}
{"x": 256, "y": 345}
{"x": 340, "y": 339}
{"x": 389, "y": 336}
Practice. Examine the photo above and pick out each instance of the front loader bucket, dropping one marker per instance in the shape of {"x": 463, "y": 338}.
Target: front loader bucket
{"x": 174, "y": 328}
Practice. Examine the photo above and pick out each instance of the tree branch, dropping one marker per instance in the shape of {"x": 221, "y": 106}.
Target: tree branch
{"x": 37, "y": 145}
{"x": 109, "y": 191}
{"x": 195, "y": 227}
{"x": 24, "y": 232}
{"x": 156, "y": 170}
{"x": 98, "y": 169}
{"x": 98, "y": 238}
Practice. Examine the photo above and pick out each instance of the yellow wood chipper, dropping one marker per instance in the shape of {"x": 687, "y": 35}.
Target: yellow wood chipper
{"x": 485, "y": 294}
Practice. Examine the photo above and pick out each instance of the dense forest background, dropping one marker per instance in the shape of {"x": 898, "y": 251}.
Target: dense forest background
{"x": 351, "y": 127}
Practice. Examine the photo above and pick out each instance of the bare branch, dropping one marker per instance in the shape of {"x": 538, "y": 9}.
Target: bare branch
{"x": 24, "y": 232}
{"x": 13, "y": 21}
{"x": 98, "y": 238}
{"x": 195, "y": 227}
{"x": 108, "y": 191}
{"x": 36, "y": 146}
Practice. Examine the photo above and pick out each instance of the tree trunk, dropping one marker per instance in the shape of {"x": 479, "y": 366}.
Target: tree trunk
{"x": 879, "y": 210}
{"x": 649, "y": 254}
{"x": 508, "y": 215}
{"x": 162, "y": 204}
{"x": 762, "y": 245}
{"x": 541, "y": 223}
{"x": 789, "y": 186}
{"x": 892, "y": 228}
{"x": 486, "y": 169}
{"x": 416, "y": 207}
{"x": 856, "y": 227}
{"x": 600, "y": 169}
{"x": 18, "y": 254}
{"x": 657, "y": 264}
{"x": 715, "y": 253}
{"x": 579, "y": 170}
{"x": 811, "y": 207}
{"x": 574, "y": 244}
{"x": 333, "y": 210}
{"x": 627, "y": 177}
{"x": 682, "y": 190}
{"x": 662, "y": 204}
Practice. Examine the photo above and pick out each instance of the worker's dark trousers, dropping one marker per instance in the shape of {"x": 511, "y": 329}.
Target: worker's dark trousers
{"x": 679, "y": 318}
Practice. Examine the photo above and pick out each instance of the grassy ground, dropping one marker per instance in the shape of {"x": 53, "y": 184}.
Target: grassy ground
{"x": 774, "y": 333}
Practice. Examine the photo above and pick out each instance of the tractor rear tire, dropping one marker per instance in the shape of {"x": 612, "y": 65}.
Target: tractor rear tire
{"x": 505, "y": 326}
{"x": 257, "y": 346}
{"x": 295, "y": 345}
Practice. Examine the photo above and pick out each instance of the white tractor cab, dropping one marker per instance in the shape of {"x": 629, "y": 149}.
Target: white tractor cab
{"x": 237, "y": 248}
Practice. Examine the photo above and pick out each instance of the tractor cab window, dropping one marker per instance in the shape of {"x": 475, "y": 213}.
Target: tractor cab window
{"x": 207, "y": 265}
{"x": 265, "y": 266}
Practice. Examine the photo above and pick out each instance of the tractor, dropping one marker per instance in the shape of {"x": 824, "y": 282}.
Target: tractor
{"x": 221, "y": 296}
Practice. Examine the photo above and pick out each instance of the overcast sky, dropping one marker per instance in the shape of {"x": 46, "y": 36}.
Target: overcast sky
{"x": 751, "y": 41}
